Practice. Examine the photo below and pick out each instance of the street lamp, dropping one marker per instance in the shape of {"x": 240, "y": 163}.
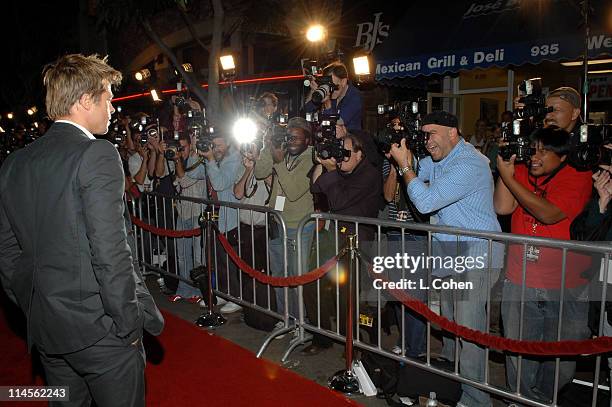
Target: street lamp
{"x": 228, "y": 66}
{"x": 142, "y": 75}
{"x": 9, "y": 116}
{"x": 315, "y": 33}
{"x": 361, "y": 65}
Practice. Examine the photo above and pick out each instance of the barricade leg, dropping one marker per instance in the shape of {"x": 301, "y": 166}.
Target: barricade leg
{"x": 344, "y": 380}
{"x": 210, "y": 319}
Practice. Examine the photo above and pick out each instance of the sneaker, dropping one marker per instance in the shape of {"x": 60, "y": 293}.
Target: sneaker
{"x": 221, "y": 301}
{"x": 230, "y": 307}
{"x": 175, "y": 298}
{"x": 195, "y": 299}
{"x": 397, "y": 350}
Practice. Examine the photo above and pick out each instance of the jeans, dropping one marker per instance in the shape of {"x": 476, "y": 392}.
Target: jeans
{"x": 189, "y": 253}
{"x": 277, "y": 262}
{"x": 469, "y": 308}
{"x": 414, "y": 326}
{"x": 540, "y": 323}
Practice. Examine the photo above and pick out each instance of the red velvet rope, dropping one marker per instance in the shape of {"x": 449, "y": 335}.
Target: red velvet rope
{"x": 309, "y": 277}
{"x": 598, "y": 345}
{"x": 165, "y": 232}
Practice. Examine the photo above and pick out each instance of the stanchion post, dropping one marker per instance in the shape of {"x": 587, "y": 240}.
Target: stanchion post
{"x": 210, "y": 319}
{"x": 344, "y": 380}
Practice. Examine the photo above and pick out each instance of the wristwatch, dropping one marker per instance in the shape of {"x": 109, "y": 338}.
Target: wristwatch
{"x": 404, "y": 170}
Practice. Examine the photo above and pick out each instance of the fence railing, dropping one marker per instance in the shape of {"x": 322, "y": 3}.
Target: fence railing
{"x": 460, "y": 327}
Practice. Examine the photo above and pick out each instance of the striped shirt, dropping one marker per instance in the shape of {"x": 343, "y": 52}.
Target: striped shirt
{"x": 395, "y": 213}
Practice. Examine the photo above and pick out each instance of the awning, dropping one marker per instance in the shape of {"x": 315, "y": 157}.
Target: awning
{"x": 437, "y": 37}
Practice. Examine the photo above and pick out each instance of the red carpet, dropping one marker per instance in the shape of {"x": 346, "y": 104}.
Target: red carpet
{"x": 187, "y": 366}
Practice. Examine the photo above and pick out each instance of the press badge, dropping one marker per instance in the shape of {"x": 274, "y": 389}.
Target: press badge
{"x": 280, "y": 203}
{"x": 533, "y": 253}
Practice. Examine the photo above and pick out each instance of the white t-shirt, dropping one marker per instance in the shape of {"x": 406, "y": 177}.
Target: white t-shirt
{"x": 135, "y": 162}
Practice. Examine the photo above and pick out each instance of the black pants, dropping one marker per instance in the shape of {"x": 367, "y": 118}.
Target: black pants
{"x": 109, "y": 372}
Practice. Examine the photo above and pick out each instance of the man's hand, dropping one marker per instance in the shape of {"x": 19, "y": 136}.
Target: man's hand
{"x": 401, "y": 154}
{"x": 143, "y": 152}
{"x": 330, "y": 164}
{"x": 248, "y": 161}
{"x": 506, "y": 168}
{"x": 209, "y": 155}
{"x": 603, "y": 186}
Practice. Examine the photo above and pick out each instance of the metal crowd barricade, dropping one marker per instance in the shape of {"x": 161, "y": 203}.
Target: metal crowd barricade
{"x": 159, "y": 253}
{"x": 312, "y": 323}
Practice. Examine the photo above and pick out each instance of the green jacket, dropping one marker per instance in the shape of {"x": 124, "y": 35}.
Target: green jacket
{"x": 294, "y": 185}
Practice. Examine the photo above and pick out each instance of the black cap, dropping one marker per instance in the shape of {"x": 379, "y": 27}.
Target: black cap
{"x": 441, "y": 118}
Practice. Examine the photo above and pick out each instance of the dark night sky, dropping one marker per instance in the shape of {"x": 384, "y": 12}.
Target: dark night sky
{"x": 34, "y": 34}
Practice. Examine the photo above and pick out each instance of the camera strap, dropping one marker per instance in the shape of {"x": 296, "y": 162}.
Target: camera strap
{"x": 195, "y": 165}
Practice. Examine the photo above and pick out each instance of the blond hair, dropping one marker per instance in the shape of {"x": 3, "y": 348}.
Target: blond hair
{"x": 71, "y": 77}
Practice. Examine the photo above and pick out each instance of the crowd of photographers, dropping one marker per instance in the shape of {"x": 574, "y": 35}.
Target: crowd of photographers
{"x": 533, "y": 166}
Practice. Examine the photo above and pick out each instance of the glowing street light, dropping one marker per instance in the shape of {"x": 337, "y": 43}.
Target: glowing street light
{"x": 227, "y": 62}
{"x": 9, "y": 116}
{"x": 142, "y": 75}
{"x": 32, "y": 110}
{"x": 361, "y": 65}
{"x": 315, "y": 33}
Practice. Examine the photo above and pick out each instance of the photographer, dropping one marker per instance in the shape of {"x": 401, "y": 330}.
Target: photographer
{"x": 459, "y": 194}
{"x": 181, "y": 103}
{"x": 344, "y": 101}
{"x": 221, "y": 171}
{"x": 291, "y": 196}
{"x": 543, "y": 197}
{"x": 351, "y": 187}
{"x": 189, "y": 252}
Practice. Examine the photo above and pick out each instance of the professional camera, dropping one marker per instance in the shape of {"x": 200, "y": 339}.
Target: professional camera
{"x": 313, "y": 71}
{"x": 279, "y": 135}
{"x": 199, "y": 128}
{"x": 530, "y": 94}
{"x": 517, "y": 135}
{"x": 173, "y": 147}
{"x": 409, "y": 128}
{"x": 326, "y": 145}
{"x": 589, "y": 151}
{"x": 527, "y": 119}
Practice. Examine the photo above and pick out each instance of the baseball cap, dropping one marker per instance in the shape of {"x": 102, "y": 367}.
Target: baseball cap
{"x": 570, "y": 95}
{"x": 441, "y": 118}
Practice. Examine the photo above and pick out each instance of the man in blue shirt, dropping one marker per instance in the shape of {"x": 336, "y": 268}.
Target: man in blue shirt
{"x": 222, "y": 163}
{"x": 344, "y": 101}
{"x": 459, "y": 193}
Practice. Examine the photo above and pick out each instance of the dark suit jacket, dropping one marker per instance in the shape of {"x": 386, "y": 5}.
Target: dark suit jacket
{"x": 63, "y": 252}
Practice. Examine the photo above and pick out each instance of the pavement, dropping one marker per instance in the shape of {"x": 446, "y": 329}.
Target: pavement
{"x": 318, "y": 368}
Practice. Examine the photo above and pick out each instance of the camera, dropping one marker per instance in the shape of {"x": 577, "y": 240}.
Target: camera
{"x": 279, "y": 135}
{"x": 589, "y": 151}
{"x": 409, "y": 128}
{"x": 530, "y": 94}
{"x": 517, "y": 135}
{"x": 526, "y": 120}
{"x": 313, "y": 71}
{"x": 173, "y": 147}
{"x": 325, "y": 89}
{"x": 326, "y": 145}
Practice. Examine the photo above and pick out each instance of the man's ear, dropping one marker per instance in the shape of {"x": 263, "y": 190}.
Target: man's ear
{"x": 86, "y": 101}
{"x": 575, "y": 113}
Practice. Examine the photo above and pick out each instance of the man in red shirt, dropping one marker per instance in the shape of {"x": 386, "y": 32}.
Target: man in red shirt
{"x": 543, "y": 197}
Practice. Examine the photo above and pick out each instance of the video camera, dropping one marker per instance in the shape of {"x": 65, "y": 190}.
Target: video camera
{"x": 326, "y": 145}
{"x": 526, "y": 120}
{"x": 313, "y": 71}
{"x": 409, "y": 128}
{"x": 589, "y": 151}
